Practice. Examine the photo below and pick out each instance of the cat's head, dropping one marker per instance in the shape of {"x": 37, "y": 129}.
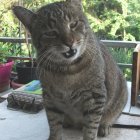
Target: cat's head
{"x": 58, "y": 30}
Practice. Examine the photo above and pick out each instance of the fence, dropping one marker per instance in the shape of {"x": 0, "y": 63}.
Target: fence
{"x": 109, "y": 43}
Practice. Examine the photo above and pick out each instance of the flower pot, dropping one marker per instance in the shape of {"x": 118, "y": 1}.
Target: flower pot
{"x": 5, "y": 71}
{"x": 26, "y": 72}
{"x": 15, "y": 84}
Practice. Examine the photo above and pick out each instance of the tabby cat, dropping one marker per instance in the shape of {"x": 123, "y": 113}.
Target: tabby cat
{"x": 82, "y": 85}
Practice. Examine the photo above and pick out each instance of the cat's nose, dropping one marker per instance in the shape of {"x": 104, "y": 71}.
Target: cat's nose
{"x": 69, "y": 42}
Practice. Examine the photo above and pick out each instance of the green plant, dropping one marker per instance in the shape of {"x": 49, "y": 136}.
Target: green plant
{"x": 8, "y": 49}
{"x": 123, "y": 55}
{"x": 2, "y": 55}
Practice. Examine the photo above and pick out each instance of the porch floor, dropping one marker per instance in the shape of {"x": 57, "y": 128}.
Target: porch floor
{"x": 17, "y": 125}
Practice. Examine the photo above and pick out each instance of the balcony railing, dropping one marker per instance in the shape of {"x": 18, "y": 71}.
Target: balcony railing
{"x": 109, "y": 43}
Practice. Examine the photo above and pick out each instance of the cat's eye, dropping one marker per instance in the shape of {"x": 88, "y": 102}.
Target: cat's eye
{"x": 74, "y": 24}
{"x": 51, "y": 34}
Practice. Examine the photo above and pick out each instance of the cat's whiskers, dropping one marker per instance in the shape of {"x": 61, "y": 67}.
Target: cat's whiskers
{"x": 48, "y": 62}
{"x": 40, "y": 60}
{"x": 41, "y": 72}
{"x": 44, "y": 56}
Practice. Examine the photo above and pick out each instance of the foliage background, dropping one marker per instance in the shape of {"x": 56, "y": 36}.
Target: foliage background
{"x": 109, "y": 19}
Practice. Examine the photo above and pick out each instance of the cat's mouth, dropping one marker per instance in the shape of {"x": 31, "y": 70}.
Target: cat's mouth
{"x": 70, "y": 53}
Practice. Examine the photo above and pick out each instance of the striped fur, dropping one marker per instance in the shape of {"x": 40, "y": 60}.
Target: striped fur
{"x": 82, "y": 85}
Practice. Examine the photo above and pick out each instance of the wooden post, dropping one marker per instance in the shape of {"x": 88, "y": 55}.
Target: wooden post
{"x": 135, "y": 75}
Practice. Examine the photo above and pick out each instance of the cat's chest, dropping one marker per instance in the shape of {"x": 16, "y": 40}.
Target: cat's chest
{"x": 63, "y": 82}
{"x": 64, "y": 87}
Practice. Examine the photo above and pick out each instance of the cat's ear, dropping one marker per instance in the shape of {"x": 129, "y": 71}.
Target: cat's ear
{"x": 24, "y": 15}
{"x": 75, "y": 2}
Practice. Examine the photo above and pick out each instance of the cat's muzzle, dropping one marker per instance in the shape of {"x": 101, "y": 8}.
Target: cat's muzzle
{"x": 70, "y": 53}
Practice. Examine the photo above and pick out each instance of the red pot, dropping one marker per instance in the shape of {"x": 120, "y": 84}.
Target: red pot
{"x": 5, "y": 71}
{"x": 15, "y": 84}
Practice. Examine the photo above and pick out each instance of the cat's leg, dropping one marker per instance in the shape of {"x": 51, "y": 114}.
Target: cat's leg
{"x": 106, "y": 122}
{"x": 104, "y": 130}
{"x": 55, "y": 119}
{"x": 112, "y": 112}
{"x": 55, "y": 123}
{"x": 110, "y": 115}
{"x": 93, "y": 110}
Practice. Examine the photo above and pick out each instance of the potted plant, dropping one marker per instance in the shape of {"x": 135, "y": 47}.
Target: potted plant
{"x": 26, "y": 71}
{"x": 5, "y": 69}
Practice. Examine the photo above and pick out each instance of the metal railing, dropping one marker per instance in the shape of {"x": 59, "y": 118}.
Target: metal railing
{"x": 109, "y": 43}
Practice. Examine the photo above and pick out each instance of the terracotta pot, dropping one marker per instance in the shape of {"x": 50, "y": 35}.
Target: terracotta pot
{"x": 5, "y": 71}
{"x": 15, "y": 84}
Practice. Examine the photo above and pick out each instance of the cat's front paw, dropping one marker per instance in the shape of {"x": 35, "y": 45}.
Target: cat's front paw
{"x": 104, "y": 130}
{"x": 56, "y": 137}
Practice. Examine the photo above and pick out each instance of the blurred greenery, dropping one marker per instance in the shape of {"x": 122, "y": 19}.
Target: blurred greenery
{"x": 123, "y": 55}
{"x": 109, "y": 19}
